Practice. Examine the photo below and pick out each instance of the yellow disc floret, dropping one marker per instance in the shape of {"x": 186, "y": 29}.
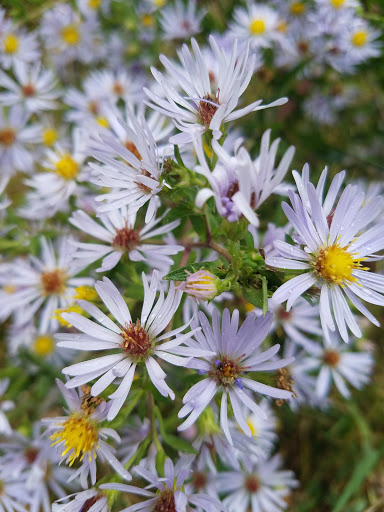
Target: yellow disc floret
{"x": 335, "y": 264}
{"x": 337, "y": 3}
{"x": 43, "y": 345}
{"x": 252, "y": 426}
{"x": 257, "y": 27}
{"x": 297, "y": 8}
{"x": 102, "y": 121}
{"x": 74, "y": 308}
{"x": 71, "y": 35}
{"x": 11, "y": 44}
{"x": 359, "y": 38}
{"x": 80, "y": 436}
{"x": 49, "y": 136}
{"x": 86, "y": 293}
{"x": 94, "y": 4}
{"x": 66, "y": 167}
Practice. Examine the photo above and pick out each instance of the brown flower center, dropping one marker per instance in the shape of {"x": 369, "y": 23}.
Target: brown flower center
{"x": 7, "y": 136}
{"x": 252, "y": 484}
{"x": 136, "y": 341}
{"x": 126, "y": 239}
{"x": 90, "y": 502}
{"x": 226, "y": 371}
{"x": 31, "y": 454}
{"x": 54, "y": 282}
{"x": 331, "y": 358}
{"x": 93, "y": 107}
{"x": 118, "y": 88}
{"x": 131, "y": 146}
{"x": 165, "y": 502}
{"x": 28, "y": 90}
{"x": 199, "y": 480}
{"x": 207, "y": 109}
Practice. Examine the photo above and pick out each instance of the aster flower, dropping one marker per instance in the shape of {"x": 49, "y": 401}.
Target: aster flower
{"x": 136, "y": 343}
{"x": 359, "y": 43}
{"x": 16, "y": 45}
{"x": 33, "y": 88}
{"x": 41, "y": 285}
{"x": 333, "y": 254}
{"x": 239, "y": 185}
{"x": 81, "y": 436}
{"x": 121, "y": 237}
{"x": 15, "y": 140}
{"x": 257, "y": 23}
{"x": 91, "y": 500}
{"x": 170, "y": 494}
{"x": 200, "y": 284}
{"x": 204, "y": 106}
{"x": 235, "y": 352}
{"x": 5, "y": 405}
{"x": 180, "y": 21}
{"x": 132, "y": 170}
{"x": 259, "y": 487}
{"x": 14, "y": 496}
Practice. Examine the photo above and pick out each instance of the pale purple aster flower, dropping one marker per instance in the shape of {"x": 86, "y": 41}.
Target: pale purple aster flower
{"x": 120, "y": 237}
{"x": 91, "y": 500}
{"x": 236, "y": 352}
{"x": 14, "y": 496}
{"x": 16, "y": 44}
{"x": 333, "y": 254}
{"x": 259, "y": 487}
{"x": 203, "y": 107}
{"x": 180, "y": 21}
{"x": 80, "y": 435}
{"x": 170, "y": 494}
{"x": 136, "y": 343}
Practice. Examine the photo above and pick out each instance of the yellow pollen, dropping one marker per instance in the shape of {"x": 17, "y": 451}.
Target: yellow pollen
{"x": 337, "y": 3}
{"x": 159, "y": 3}
{"x": 71, "y": 35}
{"x": 9, "y": 288}
{"x": 147, "y": 20}
{"x": 359, "y": 38}
{"x": 75, "y": 308}
{"x": 43, "y": 345}
{"x": 86, "y": 293}
{"x": 67, "y": 168}
{"x": 282, "y": 26}
{"x": 11, "y": 44}
{"x": 102, "y": 121}
{"x": 297, "y": 8}
{"x": 80, "y": 437}
{"x": 335, "y": 264}
{"x": 94, "y": 4}
{"x": 49, "y": 136}
{"x": 257, "y": 27}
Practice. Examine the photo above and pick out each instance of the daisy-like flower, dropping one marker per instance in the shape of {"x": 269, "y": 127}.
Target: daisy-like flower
{"x": 121, "y": 237}
{"x": 132, "y": 170}
{"x": 332, "y": 255}
{"x": 259, "y": 487}
{"x": 359, "y": 43}
{"x": 136, "y": 343}
{"x": 81, "y": 436}
{"x": 15, "y": 140}
{"x": 236, "y": 352}
{"x": 5, "y": 405}
{"x": 14, "y": 496}
{"x": 338, "y": 363}
{"x": 170, "y": 494}
{"x": 180, "y": 21}
{"x": 44, "y": 284}
{"x": 91, "y": 500}
{"x": 33, "y": 88}
{"x": 115, "y": 85}
{"x": 16, "y": 45}
{"x": 204, "y": 106}
{"x": 239, "y": 185}
{"x": 258, "y": 23}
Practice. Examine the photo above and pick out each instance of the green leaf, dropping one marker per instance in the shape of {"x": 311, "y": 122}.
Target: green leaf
{"x": 178, "y": 213}
{"x": 175, "y": 442}
{"x": 199, "y": 226}
{"x": 180, "y": 274}
{"x": 254, "y": 296}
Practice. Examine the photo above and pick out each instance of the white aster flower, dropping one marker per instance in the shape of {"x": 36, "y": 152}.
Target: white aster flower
{"x": 333, "y": 254}
{"x": 5, "y": 406}
{"x": 17, "y": 45}
{"x": 170, "y": 494}
{"x": 259, "y": 487}
{"x": 115, "y": 85}
{"x": 121, "y": 237}
{"x": 136, "y": 343}
{"x": 258, "y": 23}
{"x": 16, "y": 138}
{"x": 358, "y": 42}
{"x": 81, "y": 436}
{"x": 91, "y": 500}
{"x": 41, "y": 284}
{"x": 240, "y": 185}
{"x": 34, "y": 88}
{"x": 202, "y": 105}
{"x": 236, "y": 352}
{"x": 14, "y": 496}
{"x": 132, "y": 169}
{"x": 180, "y": 21}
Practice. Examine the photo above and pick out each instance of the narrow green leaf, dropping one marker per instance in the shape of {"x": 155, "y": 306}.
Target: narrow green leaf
{"x": 181, "y": 274}
{"x": 254, "y": 296}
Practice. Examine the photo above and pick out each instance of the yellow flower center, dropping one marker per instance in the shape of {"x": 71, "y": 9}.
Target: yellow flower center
{"x": 337, "y": 3}
{"x": 359, "y": 38}
{"x": 282, "y": 26}
{"x": 67, "y": 168}
{"x": 43, "y": 345}
{"x": 102, "y": 121}
{"x": 75, "y": 308}
{"x": 335, "y": 264}
{"x": 147, "y": 20}
{"x": 86, "y": 293}
{"x": 9, "y": 288}
{"x": 257, "y": 27}
{"x": 49, "y": 136}
{"x": 94, "y": 4}
{"x": 71, "y": 35}
{"x": 80, "y": 437}
{"x": 159, "y": 3}
{"x": 11, "y": 44}
{"x": 297, "y": 8}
